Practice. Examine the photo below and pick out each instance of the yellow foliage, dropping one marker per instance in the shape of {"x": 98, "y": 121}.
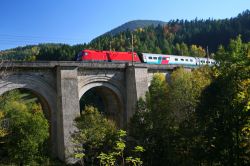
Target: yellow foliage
{"x": 3, "y": 132}
{"x": 140, "y": 30}
{"x": 1, "y": 115}
{"x": 159, "y": 77}
{"x": 37, "y": 108}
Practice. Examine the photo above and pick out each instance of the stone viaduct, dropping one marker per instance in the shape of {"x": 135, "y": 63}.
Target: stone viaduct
{"x": 60, "y": 85}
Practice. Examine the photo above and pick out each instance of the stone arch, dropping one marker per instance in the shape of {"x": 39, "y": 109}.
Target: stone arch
{"x": 42, "y": 90}
{"x": 113, "y": 95}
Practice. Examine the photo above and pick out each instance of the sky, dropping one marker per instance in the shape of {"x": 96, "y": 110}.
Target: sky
{"x": 27, "y": 22}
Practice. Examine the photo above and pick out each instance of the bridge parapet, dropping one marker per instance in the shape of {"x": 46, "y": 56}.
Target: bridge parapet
{"x": 80, "y": 64}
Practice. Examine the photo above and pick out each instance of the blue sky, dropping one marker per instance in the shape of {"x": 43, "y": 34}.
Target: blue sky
{"x": 25, "y": 22}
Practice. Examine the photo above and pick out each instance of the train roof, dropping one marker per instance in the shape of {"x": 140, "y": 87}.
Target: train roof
{"x": 149, "y": 54}
{"x": 105, "y": 51}
{"x": 177, "y": 56}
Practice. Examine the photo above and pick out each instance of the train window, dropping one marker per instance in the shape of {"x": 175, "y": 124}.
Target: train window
{"x": 182, "y": 59}
{"x": 176, "y": 59}
{"x": 159, "y": 58}
{"x": 191, "y": 60}
{"x": 186, "y": 60}
{"x": 164, "y": 58}
{"x": 150, "y": 57}
{"x": 155, "y": 58}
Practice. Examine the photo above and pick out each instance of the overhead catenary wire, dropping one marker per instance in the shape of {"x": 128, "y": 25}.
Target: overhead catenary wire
{"x": 37, "y": 37}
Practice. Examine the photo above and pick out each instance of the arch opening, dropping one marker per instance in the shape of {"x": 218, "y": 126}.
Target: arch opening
{"x": 30, "y": 96}
{"x": 106, "y": 100}
{"x": 46, "y": 94}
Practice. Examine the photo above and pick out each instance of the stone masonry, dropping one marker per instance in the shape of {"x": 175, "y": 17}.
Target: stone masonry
{"x": 60, "y": 85}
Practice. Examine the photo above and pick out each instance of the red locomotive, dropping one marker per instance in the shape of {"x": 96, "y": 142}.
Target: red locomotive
{"x": 109, "y": 56}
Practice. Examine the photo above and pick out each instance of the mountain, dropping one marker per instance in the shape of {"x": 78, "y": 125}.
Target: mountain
{"x": 133, "y": 25}
{"x": 179, "y": 37}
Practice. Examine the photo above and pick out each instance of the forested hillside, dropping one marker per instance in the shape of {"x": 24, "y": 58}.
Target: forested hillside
{"x": 133, "y": 25}
{"x": 181, "y": 37}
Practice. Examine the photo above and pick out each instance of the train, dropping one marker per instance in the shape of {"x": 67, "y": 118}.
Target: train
{"x": 149, "y": 58}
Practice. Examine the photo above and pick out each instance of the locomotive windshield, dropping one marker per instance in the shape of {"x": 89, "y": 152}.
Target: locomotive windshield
{"x": 79, "y": 56}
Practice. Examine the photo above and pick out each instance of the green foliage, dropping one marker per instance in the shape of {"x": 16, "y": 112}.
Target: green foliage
{"x": 224, "y": 110}
{"x": 107, "y": 159}
{"x": 27, "y": 130}
{"x": 135, "y": 161}
{"x": 165, "y": 122}
{"x": 43, "y": 52}
{"x": 56, "y": 52}
{"x": 116, "y": 156}
{"x": 95, "y": 133}
{"x": 150, "y": 119}
{"x": 157, "y": 92}
{"x": 197, "y": 51}
{"x": 21, "y": 53}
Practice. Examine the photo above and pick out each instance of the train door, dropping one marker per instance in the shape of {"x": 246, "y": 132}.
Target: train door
{"x": 108, "y": 56}
{"x": 197, "y": 61}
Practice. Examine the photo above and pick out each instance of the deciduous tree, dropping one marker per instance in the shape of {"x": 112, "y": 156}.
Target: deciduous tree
{"x": 27, "y": 129}
{"x": 224, "y": 110}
